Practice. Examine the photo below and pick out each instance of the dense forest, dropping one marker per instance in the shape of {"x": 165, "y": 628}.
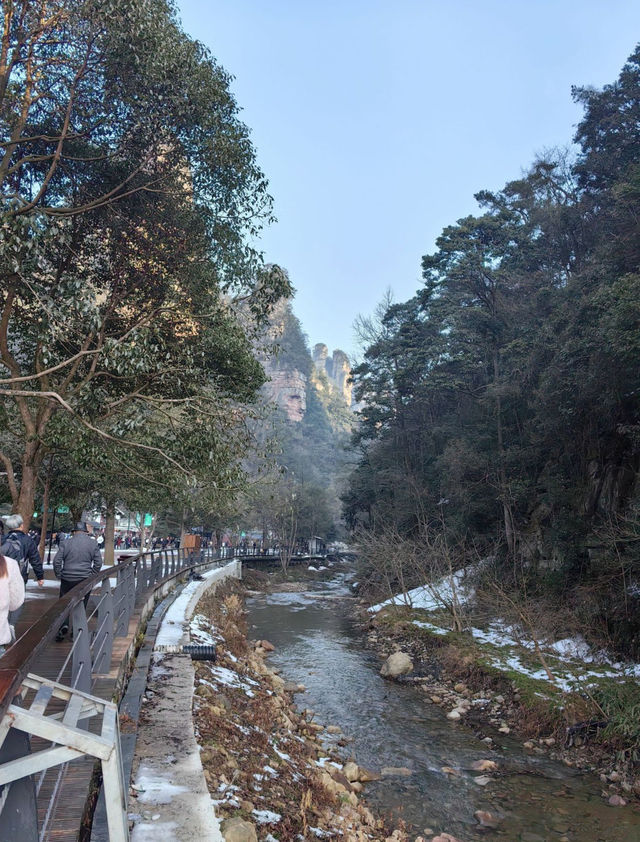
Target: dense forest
{"x": 502, "y": 401}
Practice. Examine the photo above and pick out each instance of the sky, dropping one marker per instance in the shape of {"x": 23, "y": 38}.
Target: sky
{"x": 376, "y": 121}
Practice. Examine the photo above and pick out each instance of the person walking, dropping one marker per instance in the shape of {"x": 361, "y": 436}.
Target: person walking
{"x": 24, "y": 550}
{"x": 11, "y": 597}
{"x": 77, "y": 559}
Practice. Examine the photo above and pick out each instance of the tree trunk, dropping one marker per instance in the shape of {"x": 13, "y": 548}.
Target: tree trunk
{"x": 27, "y": 496}
{"x": 183, "y": 528}
{"x": 509, "y": 530}
{"x": 109, "y": 532}
{"x": 45, "y": 511}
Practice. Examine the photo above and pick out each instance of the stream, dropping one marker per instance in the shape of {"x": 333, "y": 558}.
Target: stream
{"x": 393, "y": 724}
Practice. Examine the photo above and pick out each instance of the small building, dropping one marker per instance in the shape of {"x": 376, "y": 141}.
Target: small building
{"x": 317, "y": 546}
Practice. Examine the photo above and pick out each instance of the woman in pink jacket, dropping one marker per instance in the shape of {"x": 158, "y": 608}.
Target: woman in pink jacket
{"x": 11, "y": 596}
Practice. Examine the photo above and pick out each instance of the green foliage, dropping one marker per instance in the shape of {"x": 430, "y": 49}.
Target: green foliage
{"x": 128, "y": 193}
{"x": 503, "y": 400}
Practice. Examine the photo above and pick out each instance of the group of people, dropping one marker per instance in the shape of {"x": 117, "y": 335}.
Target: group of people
{"x": 77, "y": 558}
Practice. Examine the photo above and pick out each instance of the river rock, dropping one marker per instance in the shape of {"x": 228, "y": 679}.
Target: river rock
{"x": 238, "y": 830}
{"x": 277, "y": 682}
{"x": 486, "y": 819}
{"x": 460, "y": 687}
{"x": 617, "y": 801}
{"x": 292, "y": 687}
{"x": 351, "y": 771}
{"x": 367, "y": 775}
{"x": 267, "y": 645}
{"x": 334, "y": 729}
{"x": 445, "y": 837}
{"x": 397, "y": 664}
{"x": 484, "y": 766}
{"x": 395, "y": 771}
{"x": 482, "y": 780}
{"x": 454, "y": 715}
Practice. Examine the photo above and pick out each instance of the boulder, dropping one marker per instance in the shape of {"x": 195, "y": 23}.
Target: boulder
{"x": 617, "y": 801}
{"x": 267, "y": 646}
{"x": 397, "y": 664}
{"x": 238, "y": 830}
{"x": 351, "y": 771}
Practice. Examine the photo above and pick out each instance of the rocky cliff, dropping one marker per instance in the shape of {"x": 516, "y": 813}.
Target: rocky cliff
{"x": 292, "y": 371}
{"x": 336, "y": 368}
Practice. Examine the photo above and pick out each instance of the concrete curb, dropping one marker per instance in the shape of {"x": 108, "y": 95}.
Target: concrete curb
{"x": 173, "y": 800}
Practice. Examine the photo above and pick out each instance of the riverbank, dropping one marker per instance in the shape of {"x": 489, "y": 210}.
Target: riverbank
{"x": 268, "y": 771}
{"x": 456, "y": 674}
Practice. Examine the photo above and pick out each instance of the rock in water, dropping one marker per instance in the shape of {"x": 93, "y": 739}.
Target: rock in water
{"x": 397, "y": 664}
{"x": 486, "y": 819}
{"x": 395, "y": 771}
{"x": 238, "y": 830}
{"x": 484, "y": 766}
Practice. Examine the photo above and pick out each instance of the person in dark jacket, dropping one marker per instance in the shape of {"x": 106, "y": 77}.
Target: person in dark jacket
{"x": 18, "y": 545}
{"x": 77, "y": 559}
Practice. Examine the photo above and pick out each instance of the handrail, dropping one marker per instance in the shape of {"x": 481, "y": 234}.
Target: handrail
{"x": 16, "y": 663}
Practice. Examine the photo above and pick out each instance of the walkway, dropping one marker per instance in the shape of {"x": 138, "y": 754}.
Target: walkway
{"x": 69, "y": 783}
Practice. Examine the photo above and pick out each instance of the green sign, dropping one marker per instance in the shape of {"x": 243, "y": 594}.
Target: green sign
{"x": 148, "y": 519}
{"x": 63, "y": 510}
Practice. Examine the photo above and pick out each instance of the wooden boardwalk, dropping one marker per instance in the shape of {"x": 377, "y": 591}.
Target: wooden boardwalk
{"x": 64, "y": 789}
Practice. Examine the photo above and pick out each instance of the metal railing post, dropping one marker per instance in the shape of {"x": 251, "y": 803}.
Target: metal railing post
{"x": 81, "y": 658}
{"x": 103, "y": 641}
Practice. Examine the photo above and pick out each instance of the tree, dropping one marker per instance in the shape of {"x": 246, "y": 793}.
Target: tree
{"x": 128, "y": 189}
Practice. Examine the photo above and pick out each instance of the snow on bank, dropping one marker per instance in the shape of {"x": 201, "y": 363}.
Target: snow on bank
{"x": 434, "y": 595}
{"x": 572, "y": 662}
{"x": 175, "y": 625}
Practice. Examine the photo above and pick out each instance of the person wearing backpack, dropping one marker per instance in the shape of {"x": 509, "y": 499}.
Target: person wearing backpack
{"x": 23, "y": 549}
{"x": 77, "y": 559}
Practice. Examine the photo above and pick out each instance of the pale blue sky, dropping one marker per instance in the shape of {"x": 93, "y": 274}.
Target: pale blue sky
{"x": 376, "y": 122}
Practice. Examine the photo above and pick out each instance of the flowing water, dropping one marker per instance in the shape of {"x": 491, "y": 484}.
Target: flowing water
{"x": 392, "y": 724}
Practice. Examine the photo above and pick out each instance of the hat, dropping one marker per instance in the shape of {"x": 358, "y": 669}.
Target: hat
{"x": 80, "y": 527}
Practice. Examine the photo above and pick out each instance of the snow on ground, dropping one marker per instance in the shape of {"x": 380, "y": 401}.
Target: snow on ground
{"x": 266, "y": 816}
{"x": 151, "y": 789}
{"x": 434, "y": 595}
{"x": 174, "y": 624}
{"x": 572, "y": 662}
{"x": 225, "y": 676}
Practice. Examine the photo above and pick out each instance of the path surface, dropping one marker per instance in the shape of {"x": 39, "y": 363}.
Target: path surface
{"x": 71, "y": 782}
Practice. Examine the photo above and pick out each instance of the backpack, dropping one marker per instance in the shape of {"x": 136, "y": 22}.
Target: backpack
{"x": 12, "y": 547}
